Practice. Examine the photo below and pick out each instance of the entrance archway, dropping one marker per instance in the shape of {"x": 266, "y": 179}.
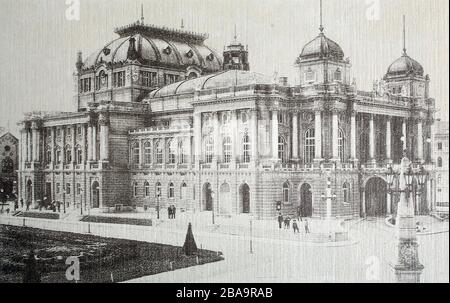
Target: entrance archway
{"x": 306, "y": 209}
{"x": 207, "y": 202}
{"x": 244, "y": 198}
{"x": 95, "y": 194}
{"x": 225, "y": 199}
{"x": 29, "y": 192}
{"x": 375, "y": 197}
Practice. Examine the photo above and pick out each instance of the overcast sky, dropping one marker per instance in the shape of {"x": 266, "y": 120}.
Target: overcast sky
{"x": 39, "y": 45}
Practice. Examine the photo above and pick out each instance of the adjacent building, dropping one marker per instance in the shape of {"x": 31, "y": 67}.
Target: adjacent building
{"x": 9, "y": 164}
{"x": 440, "y": 157}
{"x": 162, "y": 119}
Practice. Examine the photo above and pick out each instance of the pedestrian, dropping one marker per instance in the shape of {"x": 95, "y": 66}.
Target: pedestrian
{"x": 295, "y": 226}
{"x": 280, "y": 220}
{"x": 287, "y": 223}
{"x": 28, "y": 205}
{"x": 174, "y": 211}
{"x": 58, "y": 204}
{"x": 306, "y": 226}
{"x": 21, "y": 203}
{"x": 169, "y": 212}
{"x": 16, "y": 205}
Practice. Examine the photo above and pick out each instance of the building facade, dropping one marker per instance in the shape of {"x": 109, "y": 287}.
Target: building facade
{"x": 9, "y": 164}
{"x": 441, "y": 159}
{"x": 161, "y": 119}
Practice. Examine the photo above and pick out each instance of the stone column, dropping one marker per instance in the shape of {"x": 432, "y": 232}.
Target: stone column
{"x": 388, "y": 140}
{"x": 234, "y": 136}
{"x": 216, "y": 138}
{"x": 335, "y": 135}
{"x": 94, "y": 143}
{"x": 27, "y": 145}
{"x": 104, "y": 137}
{"x": 404, "y": 135}
{"x": 275, "y": 135}
{"x": 63, "y": 151}
{"x": 295, "y": 136}
{"x": 89, "y": 143}
{"x": 53, "y": 145}
{"x": 83, "y": 144}
{"x": 419, "y": 141}
{"x": 372, "y": 139}
{"x": 318, "y": 135}
{"x": 197, "y": 136}
{"x": 74, "y": 142}
{"x": 353, "y": 136}
{"x": 363, "y": 203}
{"x": 21, "y": 151}
{"x": 35, "y": 138}
{"x": 389, "y": 203}
{"x": 254, "y": 135}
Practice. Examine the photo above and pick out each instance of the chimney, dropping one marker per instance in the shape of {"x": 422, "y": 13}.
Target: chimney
{"x": 79, "y": 63}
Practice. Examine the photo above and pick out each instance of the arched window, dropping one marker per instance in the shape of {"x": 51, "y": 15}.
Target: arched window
{"x": 171, "y": 192}
{"x": 341, "y": 144}
{"x": 225, "y": 119}
{"x": 309, "y": 146}
{"x": 158, "y": 189}
{"x": 182, "y": 155}
{"x": 148, "y": 152}
{"x": 227, "y": 149}
{"x": 338, "y": 75}
{"x": 281, "y": 148}
{"x": 159, "y": 152}
{"x": 135, "y": 189}
{"x": 246, "y": 148}
{"x": 286, "y": 189}
{"x": 68, "y": 154}
{"x": 244, "y": 118}
{"x": 346, "y": 193}
{"x": 135, "y": 152}
{"x": 439, "y": 162}
{"x": 172, "y": 149}
{"x": 7, "y": 165}
{"x": 146, "y": 189}
{"x": 209, "y": 150}
{"x": 183, "y": 191}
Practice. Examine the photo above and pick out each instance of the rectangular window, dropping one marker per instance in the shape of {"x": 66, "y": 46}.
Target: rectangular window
{"x": 439, "y": 145}
{"x": 169, "y": 79}
{"x": 85, "y": 85}
{"x": 148, "y": 79}
{"x": 78, "y": 189}
{"x": 119, "y": 79}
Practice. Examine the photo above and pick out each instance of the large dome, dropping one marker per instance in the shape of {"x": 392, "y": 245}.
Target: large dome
{"x": 157, "y": 47}
{"x": 322, "y": 47}
{"x": 405, "y": 66}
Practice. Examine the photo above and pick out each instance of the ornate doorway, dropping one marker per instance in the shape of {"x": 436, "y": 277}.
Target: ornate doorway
{"x": 244, "y": 197}
{"x": 207, "y": 197}
{"x": 375, "y": 197}
{"x": 95, "y": 195}
{"x": 306, "y": 209}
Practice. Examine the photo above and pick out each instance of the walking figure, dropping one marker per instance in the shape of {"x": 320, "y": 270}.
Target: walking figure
{"x": 169, "y": 212}
{"x": 16, "y": 205}
{"x": 295, "y": 227}
{"x": 21, "y": 203}
{"x": 280, "y": 220}
{"x": 174, "y": 211}
{"x": 28, "y": 205}
{"x": 306, "y": 226}
{"x": 287, "y": 223}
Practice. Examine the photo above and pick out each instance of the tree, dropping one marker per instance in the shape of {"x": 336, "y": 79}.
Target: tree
{"x": 189, "y": 247}
{"x": 31, "y": 273}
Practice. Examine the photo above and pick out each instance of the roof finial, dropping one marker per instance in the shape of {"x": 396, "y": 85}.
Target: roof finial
{"x": 142, "y": 13}
{"x": 321, "y": 28}
{"x": 404, "y": 35}
{"x": 182, "y": 23}
{"x": 235, "y": 33}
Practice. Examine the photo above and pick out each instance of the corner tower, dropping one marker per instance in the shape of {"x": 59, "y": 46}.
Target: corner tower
{"x": 235, "y": 56}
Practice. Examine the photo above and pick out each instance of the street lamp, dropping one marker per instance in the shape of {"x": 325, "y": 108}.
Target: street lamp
{"x": 408, "y": 267}
{"x": 64, "y": 199}
{"x": 158, "y": 195}
{"x": 81, "y": 201}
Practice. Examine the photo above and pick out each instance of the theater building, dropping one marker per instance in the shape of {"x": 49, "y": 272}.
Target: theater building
{"x": 162, "y": 119}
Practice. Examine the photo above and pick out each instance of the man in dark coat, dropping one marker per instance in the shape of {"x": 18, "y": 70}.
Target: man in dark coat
{"x": 174, "y": 211}
{"x": 280, "y": 220}
{"x": 169, "y": 212}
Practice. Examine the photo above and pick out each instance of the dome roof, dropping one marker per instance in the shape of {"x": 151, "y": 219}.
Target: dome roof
{"x": 223, "y": 79}
{"x": 157, "y": 47}
{"x": 405, "y": 66}
{"x": 322, "y": 47}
